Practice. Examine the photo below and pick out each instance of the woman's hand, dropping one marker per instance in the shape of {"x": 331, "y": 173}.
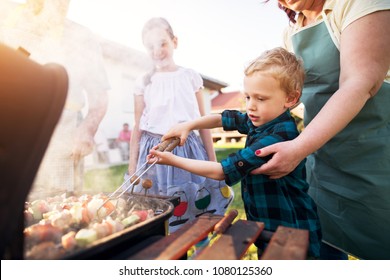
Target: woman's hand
{"x": 285, "y": 159}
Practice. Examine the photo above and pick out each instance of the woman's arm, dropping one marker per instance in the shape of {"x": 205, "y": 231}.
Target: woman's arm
{"x": 83, "y": 140}
{"x": 363, "y": 69}
{"x": 139, "y": 106}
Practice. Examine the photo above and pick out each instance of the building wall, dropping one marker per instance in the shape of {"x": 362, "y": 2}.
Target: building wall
{"x": 123, "y": 66}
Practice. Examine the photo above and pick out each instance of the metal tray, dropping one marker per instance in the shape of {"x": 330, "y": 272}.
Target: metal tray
{"x": 111, "y": 246}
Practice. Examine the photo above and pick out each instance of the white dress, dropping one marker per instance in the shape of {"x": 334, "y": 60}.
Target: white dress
{"x": 170, "y": 98}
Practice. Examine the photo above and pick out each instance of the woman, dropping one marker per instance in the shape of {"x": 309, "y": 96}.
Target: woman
{"x": 345, "y": 48}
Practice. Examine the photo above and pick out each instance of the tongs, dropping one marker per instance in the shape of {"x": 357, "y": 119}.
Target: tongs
{"x": 165, "y": 146}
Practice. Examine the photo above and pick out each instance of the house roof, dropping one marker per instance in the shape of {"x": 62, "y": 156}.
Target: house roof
{"x": 232, "y": 100}
{"x": 212, "y": 83}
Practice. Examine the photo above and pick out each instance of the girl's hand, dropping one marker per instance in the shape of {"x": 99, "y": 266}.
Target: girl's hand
{"x": 284, "y": 160}
{"x": 180, "y": 130}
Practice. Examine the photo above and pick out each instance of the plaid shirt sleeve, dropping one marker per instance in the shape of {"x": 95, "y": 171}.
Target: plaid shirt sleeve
{"x": 238, "y": 165}
{"x": 235, "y": 120}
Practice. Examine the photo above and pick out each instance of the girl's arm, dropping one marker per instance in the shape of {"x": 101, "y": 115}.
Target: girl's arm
{"x": 205, "y": 134}
{"x": 139, "y": 106}
{"x": 363, "y": 69}
{"x": 208, "y": 169}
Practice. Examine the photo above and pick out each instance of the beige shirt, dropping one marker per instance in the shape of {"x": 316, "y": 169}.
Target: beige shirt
{"x": 337, "y": 16}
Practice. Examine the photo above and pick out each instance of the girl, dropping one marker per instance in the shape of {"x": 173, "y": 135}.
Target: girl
{"x": 168, "y": 95}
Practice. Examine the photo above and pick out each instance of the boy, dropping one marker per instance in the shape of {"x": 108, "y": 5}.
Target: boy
{"x": 272, "y": 85}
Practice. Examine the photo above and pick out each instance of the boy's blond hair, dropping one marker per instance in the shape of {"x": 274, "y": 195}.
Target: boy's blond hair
{"x": 281, "y": 64}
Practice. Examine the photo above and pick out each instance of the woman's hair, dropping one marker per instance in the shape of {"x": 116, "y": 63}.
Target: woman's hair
{"x": 282, "y": 65}
{"x": 152, "y": 23}
{"x": 290, "y": 13}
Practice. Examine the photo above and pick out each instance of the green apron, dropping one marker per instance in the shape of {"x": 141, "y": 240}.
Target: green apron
{"x": 349, "y": 177}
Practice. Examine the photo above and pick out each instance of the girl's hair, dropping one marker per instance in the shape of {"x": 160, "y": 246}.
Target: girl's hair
{"x": 160, "y": 23}
{"x": 282, "y": 65}
{"x": 149, "y": 25}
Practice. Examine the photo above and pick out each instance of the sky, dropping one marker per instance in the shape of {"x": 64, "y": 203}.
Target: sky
{"x": 217, "y": 38}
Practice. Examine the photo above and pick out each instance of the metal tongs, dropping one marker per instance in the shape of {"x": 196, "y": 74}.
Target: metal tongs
{"x": 165, "y": 146}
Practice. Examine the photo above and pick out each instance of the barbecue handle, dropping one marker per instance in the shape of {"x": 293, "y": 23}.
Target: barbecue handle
{"x": 168, "y": 145}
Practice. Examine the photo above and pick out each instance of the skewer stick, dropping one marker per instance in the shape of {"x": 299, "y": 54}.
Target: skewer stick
{"x": 168, "y": 145}
{"x": 219, "y": 228}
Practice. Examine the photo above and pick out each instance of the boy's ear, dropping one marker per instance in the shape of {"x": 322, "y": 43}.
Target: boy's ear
{"x": 292, "y": 99}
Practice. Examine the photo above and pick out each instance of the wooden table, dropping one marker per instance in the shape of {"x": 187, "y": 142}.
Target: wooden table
{"x": 284, "y": 244}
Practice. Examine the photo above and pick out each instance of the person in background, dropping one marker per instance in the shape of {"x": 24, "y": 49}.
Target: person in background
{"x": 123, "y": 141}
{"x": 346, "y": 136}
{"x": 272, "y": 85}
{"x": 40, "y": 27}
{"x": 168, "y": 95}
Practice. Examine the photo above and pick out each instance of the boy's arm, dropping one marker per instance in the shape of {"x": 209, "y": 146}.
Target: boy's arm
{"x": 182, "y": 130}
{"x": 210, "y": 169}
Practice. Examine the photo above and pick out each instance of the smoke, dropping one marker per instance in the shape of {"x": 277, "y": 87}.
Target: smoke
{"x": 41, "y": 28}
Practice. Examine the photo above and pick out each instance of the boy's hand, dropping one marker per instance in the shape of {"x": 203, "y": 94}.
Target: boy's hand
{"x": 161, "y": 157}
{"x": 180, "y": 130}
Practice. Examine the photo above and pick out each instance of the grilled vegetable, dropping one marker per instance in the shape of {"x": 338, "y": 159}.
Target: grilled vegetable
{"x": 42, "y": 232}
{"x": 131, "y": 220}
{"x": 38, "y": 208}
{"x": 68, "y": 241}
{"x": 85, "y": 236}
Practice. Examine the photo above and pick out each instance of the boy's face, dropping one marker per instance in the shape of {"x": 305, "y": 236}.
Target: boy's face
{"x": 265, "y": 100}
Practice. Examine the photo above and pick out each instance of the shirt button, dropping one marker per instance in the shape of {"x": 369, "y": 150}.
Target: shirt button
{"x": 240, "y": 164}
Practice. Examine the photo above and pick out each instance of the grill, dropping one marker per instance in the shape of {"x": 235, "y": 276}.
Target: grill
{"x": 44, "y": 241}
{"x": 127, "y": 242}
{"x": 32, "y": 99}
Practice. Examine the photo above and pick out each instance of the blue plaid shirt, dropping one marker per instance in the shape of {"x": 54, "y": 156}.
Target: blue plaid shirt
{"x": 274, "y": 202}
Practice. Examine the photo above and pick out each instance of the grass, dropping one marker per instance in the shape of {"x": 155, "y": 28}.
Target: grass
{"x": 104, "y": 180}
